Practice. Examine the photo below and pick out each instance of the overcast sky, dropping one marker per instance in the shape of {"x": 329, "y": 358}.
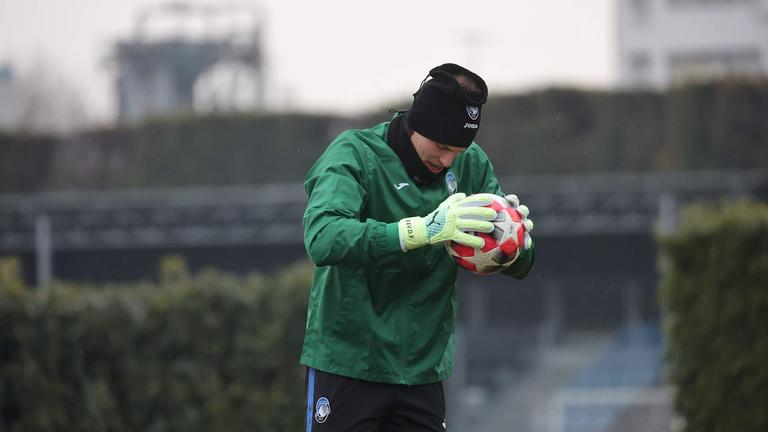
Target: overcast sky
{"x": 339, "y": 55}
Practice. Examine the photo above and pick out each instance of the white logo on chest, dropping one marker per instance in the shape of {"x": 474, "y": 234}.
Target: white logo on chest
{"x": 400, "y": 186}
{"x": 451, "y": 182}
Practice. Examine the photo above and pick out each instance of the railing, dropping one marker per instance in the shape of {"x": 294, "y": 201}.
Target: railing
{"x": 622, "y": 390}
{"x": 562, "y": 205}
{"x": 581, "y": 205}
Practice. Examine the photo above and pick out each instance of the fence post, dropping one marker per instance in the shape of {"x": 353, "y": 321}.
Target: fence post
{"x": 43, "y": 250}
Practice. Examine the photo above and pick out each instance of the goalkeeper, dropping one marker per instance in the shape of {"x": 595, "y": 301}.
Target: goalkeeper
{"x": 378, "y": 340}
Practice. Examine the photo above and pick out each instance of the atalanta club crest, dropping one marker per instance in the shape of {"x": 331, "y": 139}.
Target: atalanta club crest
{"x": 473, "y": 112}
{"x": 451, "y": 182}
{"x": 322, "y": 410}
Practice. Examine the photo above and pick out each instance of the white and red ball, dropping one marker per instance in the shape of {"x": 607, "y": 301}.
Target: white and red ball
{"x": 502, "y": 246}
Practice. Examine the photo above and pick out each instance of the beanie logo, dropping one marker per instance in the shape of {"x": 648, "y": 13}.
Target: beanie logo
{"x": 473, "y": 112}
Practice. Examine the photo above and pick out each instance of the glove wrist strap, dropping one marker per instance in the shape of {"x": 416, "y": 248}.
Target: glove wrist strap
{"x": 413, "y": 233}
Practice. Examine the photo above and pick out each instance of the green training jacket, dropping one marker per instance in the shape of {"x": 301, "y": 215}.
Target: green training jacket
{"x": 377, "y": 313}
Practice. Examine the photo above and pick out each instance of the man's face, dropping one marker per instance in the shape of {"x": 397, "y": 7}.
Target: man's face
{"x": 435, "y": 156}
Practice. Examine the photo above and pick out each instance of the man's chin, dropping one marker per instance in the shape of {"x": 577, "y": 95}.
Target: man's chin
{"x": 434, "y": 169}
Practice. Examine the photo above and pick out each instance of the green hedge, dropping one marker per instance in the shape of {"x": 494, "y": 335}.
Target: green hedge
{"x": 196, "y": 150}
{"x": 714, "y": 296}
{"x": 574, "y": 131}
{"x": 717, "y": 125}
{"x": 211, "y": 352}
{"x": 26, "y": 161}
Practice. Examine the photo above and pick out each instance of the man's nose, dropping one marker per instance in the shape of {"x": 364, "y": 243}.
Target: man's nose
{"x": 447, "y": 159}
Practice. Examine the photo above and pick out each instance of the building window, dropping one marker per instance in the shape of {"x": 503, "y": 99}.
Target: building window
{"x": 641, "y": 10}
{"x": 698, "y": 66}
{"x": 640, "y": 68}
{"x": 709, "y": 2}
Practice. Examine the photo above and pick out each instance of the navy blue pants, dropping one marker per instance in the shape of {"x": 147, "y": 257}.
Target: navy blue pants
{"x": 341, "y": 404}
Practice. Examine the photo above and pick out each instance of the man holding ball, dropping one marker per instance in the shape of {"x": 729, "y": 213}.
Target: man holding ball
{"x": 382, "y": 202}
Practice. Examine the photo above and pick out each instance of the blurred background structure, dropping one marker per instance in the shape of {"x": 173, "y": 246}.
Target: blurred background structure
{"x": 9, "y": 103}
{"x": 200, "y": 163}
{"x": 663, "y": 42}
{"x": 211, "y": 61}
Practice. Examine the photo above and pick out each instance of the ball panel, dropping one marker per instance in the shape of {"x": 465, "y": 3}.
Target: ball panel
{"x": 462, "y": 250}
{"x": 509, "y": 247}
{"x": 496, "y": 205}
{"x": 520, "y": 237}
{"x": 513, "y": 214}
{"x": 469, "y": 265}
{"x": 489, "y": 241}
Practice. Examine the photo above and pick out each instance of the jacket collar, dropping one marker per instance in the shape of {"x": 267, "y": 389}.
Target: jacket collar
{"x": 398, "y": 138}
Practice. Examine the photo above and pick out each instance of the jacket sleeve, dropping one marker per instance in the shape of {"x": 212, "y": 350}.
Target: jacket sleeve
{"x": 334, "y": 232}
{"x": 490, "y": 184}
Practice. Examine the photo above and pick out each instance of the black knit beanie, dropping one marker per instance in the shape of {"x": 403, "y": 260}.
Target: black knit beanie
{"x": 446, "y": 112}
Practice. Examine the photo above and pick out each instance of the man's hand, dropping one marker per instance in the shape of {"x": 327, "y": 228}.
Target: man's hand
{"x": 448, "y": 222}
{"x": 514, "y": 201}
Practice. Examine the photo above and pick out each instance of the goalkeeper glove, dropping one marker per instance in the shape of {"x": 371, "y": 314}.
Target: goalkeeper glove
{"x": 448, "y": 222}
{"x": 523, "y": 210}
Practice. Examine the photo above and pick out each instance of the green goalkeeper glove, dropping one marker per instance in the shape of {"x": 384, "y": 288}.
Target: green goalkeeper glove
{"x": 448, "y": 222}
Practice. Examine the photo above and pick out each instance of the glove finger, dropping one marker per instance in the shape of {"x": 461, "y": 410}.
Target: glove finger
{"x": 477, "y": 213}
{"x": 513, "y": 200}
{"x": 455, "y": 198}
{"x": 474, "y": 242}
{"x": 528, "y": 242}
{"x": 528, "y": 225}
{"x": 476, "y": 200}
{"x": 523, "y": 210}
{"x": 474, "y": 225}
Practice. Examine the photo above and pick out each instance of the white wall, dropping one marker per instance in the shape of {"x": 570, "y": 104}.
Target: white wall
{"x": 708, "y": 37}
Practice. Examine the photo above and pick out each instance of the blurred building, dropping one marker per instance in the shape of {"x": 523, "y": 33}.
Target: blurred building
{"x": 663, "y": 42}
{"x": 190, "y": 57}
{"x": 10, "y": 111}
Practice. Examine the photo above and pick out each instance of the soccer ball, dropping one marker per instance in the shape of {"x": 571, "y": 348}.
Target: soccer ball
{"x": 502, "y": 246}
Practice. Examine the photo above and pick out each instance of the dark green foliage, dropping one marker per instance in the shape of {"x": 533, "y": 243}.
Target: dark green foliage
{"x": 25, "y": 161}
{"x": 718, "y": 125}
{"x": 188, "y": 151}
{"x": 209, "y": 352}
{"x": 714, "y": 295}
{"x": 573, "y": 131}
